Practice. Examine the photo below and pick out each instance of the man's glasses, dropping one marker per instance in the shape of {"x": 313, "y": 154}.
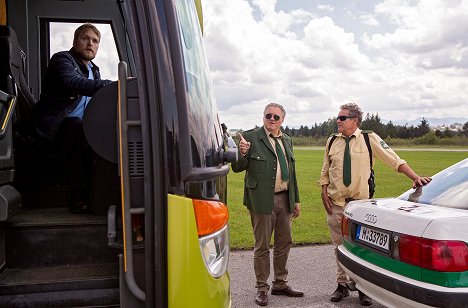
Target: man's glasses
{"x": 344, "y": 118}
{"x": 275, "y": 116}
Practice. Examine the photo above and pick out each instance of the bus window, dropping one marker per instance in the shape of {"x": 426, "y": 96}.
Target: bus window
{"x": 205, "y": 130}
{"x": 61, "y": 38}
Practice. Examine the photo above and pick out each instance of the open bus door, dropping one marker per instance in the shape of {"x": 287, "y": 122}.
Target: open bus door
{"x": 161, "y": 164}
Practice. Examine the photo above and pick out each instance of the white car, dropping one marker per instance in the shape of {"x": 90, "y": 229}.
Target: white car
{"x": 411, "y": 251}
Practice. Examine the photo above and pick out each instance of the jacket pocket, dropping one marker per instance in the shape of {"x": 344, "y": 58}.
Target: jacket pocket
{"x": 257, "y": 163}
{"x": 252, "y": 184}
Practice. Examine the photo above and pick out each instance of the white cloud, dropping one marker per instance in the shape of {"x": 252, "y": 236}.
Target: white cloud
{"x": 259, "y": 53}
{"x": 426, "y": 26}
{"x": 327, "y": 8}
{"x": 369, "y": 19}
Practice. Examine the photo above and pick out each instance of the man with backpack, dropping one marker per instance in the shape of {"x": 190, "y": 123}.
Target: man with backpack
{"x": 347, "y": 174}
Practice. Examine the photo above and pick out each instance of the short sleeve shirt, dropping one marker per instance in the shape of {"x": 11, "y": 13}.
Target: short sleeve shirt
{"x": 332, "y": 169}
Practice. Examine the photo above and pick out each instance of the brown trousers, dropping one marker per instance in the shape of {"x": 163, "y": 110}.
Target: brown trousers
{"x": 279, "y": 222}
{"x": 334, "y": 226}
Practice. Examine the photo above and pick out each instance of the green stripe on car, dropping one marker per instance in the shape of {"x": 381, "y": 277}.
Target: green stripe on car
{"x": 444, "y": 279}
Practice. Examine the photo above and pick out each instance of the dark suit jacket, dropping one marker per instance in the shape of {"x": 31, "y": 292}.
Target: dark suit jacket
{"x": 260, "y": 165}
{"x": 65, "y": 82}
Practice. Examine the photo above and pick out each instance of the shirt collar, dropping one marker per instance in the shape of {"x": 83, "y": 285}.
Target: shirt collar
{"x": 356, "y": 133}
{"x": 269, "y": 134}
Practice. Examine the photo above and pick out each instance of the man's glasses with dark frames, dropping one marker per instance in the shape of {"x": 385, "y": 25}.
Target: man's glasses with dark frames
{"x": 275, "y": 116}
{"x": 344, "y": 118}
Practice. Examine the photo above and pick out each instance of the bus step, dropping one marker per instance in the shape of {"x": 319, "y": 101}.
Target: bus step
{"x": 57, "y": 238}
{"x": 60, "y": 286}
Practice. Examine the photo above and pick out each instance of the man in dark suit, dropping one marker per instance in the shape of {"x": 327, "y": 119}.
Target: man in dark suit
{"x": 70, "y": 81}
{"x": 272, "y": 197}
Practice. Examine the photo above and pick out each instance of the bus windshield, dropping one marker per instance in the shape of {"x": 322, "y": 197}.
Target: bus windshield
{"x": 205, "y": 131}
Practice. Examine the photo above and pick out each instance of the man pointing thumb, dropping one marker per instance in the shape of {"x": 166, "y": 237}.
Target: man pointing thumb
{"x": 272, "y": 197}
{"x": 244, "y": 145}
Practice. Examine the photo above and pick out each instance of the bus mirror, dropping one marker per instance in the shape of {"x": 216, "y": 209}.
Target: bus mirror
{"x": 230, "y": 155}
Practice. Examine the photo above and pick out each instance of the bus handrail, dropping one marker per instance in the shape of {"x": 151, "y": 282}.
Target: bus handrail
{"x": 10, "y": 101}
{"x": 125, "y": 183}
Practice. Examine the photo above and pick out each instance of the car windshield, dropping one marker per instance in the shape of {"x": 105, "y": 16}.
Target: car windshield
{"x": 448, "y": 188}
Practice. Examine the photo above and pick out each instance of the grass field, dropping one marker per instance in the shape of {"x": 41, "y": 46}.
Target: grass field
{"x": 311, "y": 227}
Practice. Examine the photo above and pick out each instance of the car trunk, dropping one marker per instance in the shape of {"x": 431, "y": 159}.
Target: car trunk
{"x": 406, "y": 217}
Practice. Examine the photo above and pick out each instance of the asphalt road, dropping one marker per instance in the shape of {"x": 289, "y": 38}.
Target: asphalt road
{"x": 311, "y": 270}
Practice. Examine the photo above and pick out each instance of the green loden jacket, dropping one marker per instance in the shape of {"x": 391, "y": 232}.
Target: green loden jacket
{"x": 260, "y": 172}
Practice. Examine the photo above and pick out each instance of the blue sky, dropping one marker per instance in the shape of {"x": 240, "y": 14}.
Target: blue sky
{"x": 401, "y": 58}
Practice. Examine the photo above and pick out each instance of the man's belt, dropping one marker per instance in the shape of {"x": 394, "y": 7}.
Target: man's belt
{"x": 281, "y": 192}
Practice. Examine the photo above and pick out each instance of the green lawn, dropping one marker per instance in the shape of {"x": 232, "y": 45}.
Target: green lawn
{"x": 311, "y": 227}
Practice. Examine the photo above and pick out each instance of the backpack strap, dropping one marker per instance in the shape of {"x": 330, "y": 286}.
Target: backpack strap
{"x": 331, "y": 142}
{"x": 371, "y": 180}
{"x": 329, "y": 146}
{"x": 366, "y": 138}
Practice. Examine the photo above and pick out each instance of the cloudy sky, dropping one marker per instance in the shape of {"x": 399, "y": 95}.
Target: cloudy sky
{"x": 401, "y": 58}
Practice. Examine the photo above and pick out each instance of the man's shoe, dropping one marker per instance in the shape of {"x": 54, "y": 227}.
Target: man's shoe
{"x": 79, "y": 207}
{"x": 339, "y": 294}
{"x": 287, "y": 292}
{"x": 364, "y": 299}
{"x": 261, "y": 298}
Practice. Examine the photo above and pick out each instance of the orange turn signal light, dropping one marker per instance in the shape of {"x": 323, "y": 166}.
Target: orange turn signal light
{"x": 211, "y": 216}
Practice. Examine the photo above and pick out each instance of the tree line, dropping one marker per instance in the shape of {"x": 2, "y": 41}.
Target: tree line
{"x": 374, "y": 123}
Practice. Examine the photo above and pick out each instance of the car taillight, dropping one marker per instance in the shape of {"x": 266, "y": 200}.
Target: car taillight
{"x": 444, "y": 256}
{"x": 436, "y": 255}
{"x": 345, "y": 227}
{"x": 409, "y": 247}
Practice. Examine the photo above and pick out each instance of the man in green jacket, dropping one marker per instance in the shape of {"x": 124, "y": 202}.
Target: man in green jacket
{"x": 272, "y": 197}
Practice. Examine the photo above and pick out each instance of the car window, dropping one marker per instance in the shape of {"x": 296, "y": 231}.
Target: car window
{"x": 448, "y": 188}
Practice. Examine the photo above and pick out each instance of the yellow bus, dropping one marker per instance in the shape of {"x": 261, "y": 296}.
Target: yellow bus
{"x": 159, "y": 234}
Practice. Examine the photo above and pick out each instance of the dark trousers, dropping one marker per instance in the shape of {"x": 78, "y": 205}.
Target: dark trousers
{"x": 72, "y": 142}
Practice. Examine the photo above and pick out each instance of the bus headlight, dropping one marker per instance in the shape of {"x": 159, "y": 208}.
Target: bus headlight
{"x": 215, "y": 251}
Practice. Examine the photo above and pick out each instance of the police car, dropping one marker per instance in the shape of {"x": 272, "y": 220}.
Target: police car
{"x": 411, "y": 251}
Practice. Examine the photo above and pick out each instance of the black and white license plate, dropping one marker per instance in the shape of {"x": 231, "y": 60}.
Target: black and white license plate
{"x": 373, "y": 237}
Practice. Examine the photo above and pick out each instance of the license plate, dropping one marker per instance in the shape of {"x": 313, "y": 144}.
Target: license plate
{"x": 373, "y": 237}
